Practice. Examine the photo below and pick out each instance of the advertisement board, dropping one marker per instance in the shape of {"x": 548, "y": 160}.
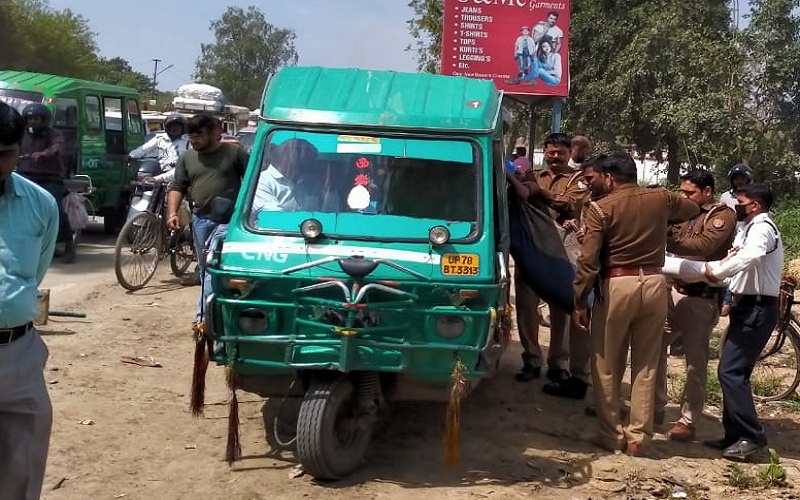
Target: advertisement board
{"x": 522, "y": 45}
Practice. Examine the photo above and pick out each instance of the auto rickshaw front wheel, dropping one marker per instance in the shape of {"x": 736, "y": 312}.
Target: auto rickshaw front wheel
{"x": 333, "y": 433}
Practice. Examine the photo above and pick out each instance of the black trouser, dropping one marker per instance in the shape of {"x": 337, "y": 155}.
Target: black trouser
{"x": 752, "y": 320}
{"x": 54, "y": 186}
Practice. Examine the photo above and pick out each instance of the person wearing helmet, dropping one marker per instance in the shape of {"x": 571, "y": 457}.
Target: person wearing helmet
{"x": 739, "y": 175}
{"x": 170, "y": 144}
{"x": 40, "y": 162}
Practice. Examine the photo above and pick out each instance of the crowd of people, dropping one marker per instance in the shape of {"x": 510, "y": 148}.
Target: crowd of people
{"x": 626, "y": 307}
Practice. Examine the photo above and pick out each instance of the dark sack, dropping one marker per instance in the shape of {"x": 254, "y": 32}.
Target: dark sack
{"x": 539, "y": 255}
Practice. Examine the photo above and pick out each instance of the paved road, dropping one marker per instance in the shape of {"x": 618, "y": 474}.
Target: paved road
{"x": 94, "y": 265}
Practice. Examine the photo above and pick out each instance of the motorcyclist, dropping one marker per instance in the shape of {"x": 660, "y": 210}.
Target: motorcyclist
{"x": 40, "y": 161}
{"x": 170, "y": 143}
{"x": 739, "y": 176}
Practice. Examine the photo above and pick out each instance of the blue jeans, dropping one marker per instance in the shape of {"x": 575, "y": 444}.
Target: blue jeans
{"x": 524, "y": 61}
{"x": 202, "y": 230}
{"x": 538, "y": 71}
{"x": 219, "y": 233}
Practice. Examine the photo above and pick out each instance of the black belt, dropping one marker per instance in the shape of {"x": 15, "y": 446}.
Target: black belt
{"x": 705, "y": 291}
{"x": 739, "y": 298}
{"x": 9, "y": 335}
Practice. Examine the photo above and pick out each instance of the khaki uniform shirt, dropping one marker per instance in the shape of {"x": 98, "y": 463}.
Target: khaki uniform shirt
{"x": 562, "y": 195}
{"x": 706, "y": 237}
{"x": 627, "y": 228}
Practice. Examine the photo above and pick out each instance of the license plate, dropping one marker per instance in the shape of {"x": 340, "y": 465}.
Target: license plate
{"x": 460, "y": 264}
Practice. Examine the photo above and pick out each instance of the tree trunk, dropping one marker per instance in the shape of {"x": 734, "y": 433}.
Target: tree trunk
{"x": 673, "y": 162}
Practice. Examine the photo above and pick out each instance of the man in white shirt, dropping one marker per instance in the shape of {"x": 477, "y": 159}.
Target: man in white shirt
{"x": 549, "y": 29}
{"x": 739, "y": 175}
{"x": 170, "y": 144}
{"x": 753, "y": 272}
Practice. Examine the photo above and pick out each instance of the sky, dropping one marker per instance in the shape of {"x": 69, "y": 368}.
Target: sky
{"x": 348, "y": 33}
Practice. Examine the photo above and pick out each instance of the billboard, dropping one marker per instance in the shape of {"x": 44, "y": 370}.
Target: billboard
{"x": 522, "y": 45}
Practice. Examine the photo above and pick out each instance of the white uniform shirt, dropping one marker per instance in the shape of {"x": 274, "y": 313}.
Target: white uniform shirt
{"x": 729, "y": 198}
{"x": 757, "y": 266}
{"x": 275, "y": 193}
{"x": 168, "y": 150}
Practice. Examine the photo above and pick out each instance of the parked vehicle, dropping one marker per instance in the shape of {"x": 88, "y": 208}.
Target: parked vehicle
{"x": 100, "y": 123}
{"x": 382, "y": 273}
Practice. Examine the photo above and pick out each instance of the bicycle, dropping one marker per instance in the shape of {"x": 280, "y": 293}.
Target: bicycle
{"x": 145, "y": 240}
{"x": 776, "y": 374}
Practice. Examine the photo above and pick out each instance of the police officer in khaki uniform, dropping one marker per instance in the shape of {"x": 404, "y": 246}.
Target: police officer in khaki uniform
{"x": 694, "y": 307}
{"x": 626, "y": 233}
{"x": 559, "y": 190}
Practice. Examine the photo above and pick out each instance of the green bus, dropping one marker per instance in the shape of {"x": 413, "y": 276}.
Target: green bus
{"x": 100, "y": 123}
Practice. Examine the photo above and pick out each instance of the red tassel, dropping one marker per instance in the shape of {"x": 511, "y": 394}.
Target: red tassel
{"x": 198, "y": 391}
{"x": 233, "y": 451}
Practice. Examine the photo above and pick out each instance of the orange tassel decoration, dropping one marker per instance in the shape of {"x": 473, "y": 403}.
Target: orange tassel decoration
{"x": 452, "y": 426}
{"x": 233, "y": 451}
{"x": 198, "y": 391}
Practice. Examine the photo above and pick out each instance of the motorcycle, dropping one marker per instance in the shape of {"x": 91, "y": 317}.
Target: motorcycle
{"x": 72, "y": 196}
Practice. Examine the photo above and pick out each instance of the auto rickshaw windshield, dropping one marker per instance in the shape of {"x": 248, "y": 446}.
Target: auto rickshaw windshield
{"x": 373, "y": 186}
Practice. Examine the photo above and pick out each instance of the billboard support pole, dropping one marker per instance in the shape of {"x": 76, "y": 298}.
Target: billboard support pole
{"x": 555, "y": 122}
{"x": 531, "y": 131}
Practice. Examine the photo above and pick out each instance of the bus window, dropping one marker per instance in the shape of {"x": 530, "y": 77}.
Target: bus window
{"x": 115, "y": 141}
{"x": 93, "y": 121}
{"x": 134, "y": 117}
{"x": 66, "y": 115}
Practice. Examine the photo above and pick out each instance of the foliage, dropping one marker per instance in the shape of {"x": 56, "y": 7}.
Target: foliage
{"x": 426, "y": 29}
{"x": 37, "y": 38}
{"x": 119, "y": 72}
{"x": 787, "y": 217}
{"x": 247, "y": 50}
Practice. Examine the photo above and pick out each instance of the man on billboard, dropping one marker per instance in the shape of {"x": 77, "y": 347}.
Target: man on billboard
{"x": 548, "y": 28}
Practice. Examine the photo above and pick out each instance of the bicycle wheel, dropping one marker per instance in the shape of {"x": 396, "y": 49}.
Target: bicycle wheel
{"x": 136, "y": 253}
{"x": 181, "y": 251}
{"x": 777, "y": 374}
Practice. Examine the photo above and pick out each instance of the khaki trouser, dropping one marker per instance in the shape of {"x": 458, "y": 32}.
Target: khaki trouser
{"x": 630, "y": 313}
{"x": 692, "y": 319}
{"x": 25, "y": 418}
{"x": 527, "y": 304}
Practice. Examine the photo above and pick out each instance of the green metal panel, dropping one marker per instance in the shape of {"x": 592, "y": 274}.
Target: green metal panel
{"x": 52, "y": 84}
{"x": 386, "y": 99}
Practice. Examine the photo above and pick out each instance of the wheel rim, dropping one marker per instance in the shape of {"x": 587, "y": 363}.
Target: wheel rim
{"x": 182, "y": 253}
{"x": 137, "y": 261}
{"x": 775, "y": 375}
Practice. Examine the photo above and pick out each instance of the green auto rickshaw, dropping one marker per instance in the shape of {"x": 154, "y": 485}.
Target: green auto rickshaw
{"x": 367, "y": 256}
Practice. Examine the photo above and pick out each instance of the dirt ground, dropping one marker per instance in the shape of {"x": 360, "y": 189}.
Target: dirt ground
{"x": 124, "y": 431}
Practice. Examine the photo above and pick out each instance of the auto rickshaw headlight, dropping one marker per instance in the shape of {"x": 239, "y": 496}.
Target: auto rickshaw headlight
{"x": 439, "y": 235}
{"x": 253, "y": 321}
{"x": 311, "y": 229}
{"x": 450, "y": 327}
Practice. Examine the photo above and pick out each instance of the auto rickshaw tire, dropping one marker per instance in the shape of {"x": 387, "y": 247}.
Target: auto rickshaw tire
{"x": 319, "y": 447}
{"x": 182, "y": 252}
{"x": 280, "y": 423}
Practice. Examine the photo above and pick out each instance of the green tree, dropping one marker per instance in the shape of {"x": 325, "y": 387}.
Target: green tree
{"x": 38, "y": 38}
{"x": 118, "y": 71}
{"x": 426, "y": 28}
{"x": 247, "y": 50}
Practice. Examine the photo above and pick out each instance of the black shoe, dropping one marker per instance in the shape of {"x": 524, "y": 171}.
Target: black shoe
{"x": 718, "y": 444}
{"x": 528, "y": 373}
{"x": 190, "y": 280}
{"x": 558, "y": 374}
{"x": 572, "y": 388}
{"x": 590, "y": 411}
{"x": 745, "y": 451}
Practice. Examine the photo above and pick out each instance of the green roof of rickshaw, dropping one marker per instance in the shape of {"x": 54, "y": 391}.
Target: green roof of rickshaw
{"x": 53, "y": 84}
{"x": 386, "y": 99}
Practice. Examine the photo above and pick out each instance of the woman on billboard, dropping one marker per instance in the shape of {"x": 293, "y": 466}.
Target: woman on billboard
{"x": 546, "y": 65}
